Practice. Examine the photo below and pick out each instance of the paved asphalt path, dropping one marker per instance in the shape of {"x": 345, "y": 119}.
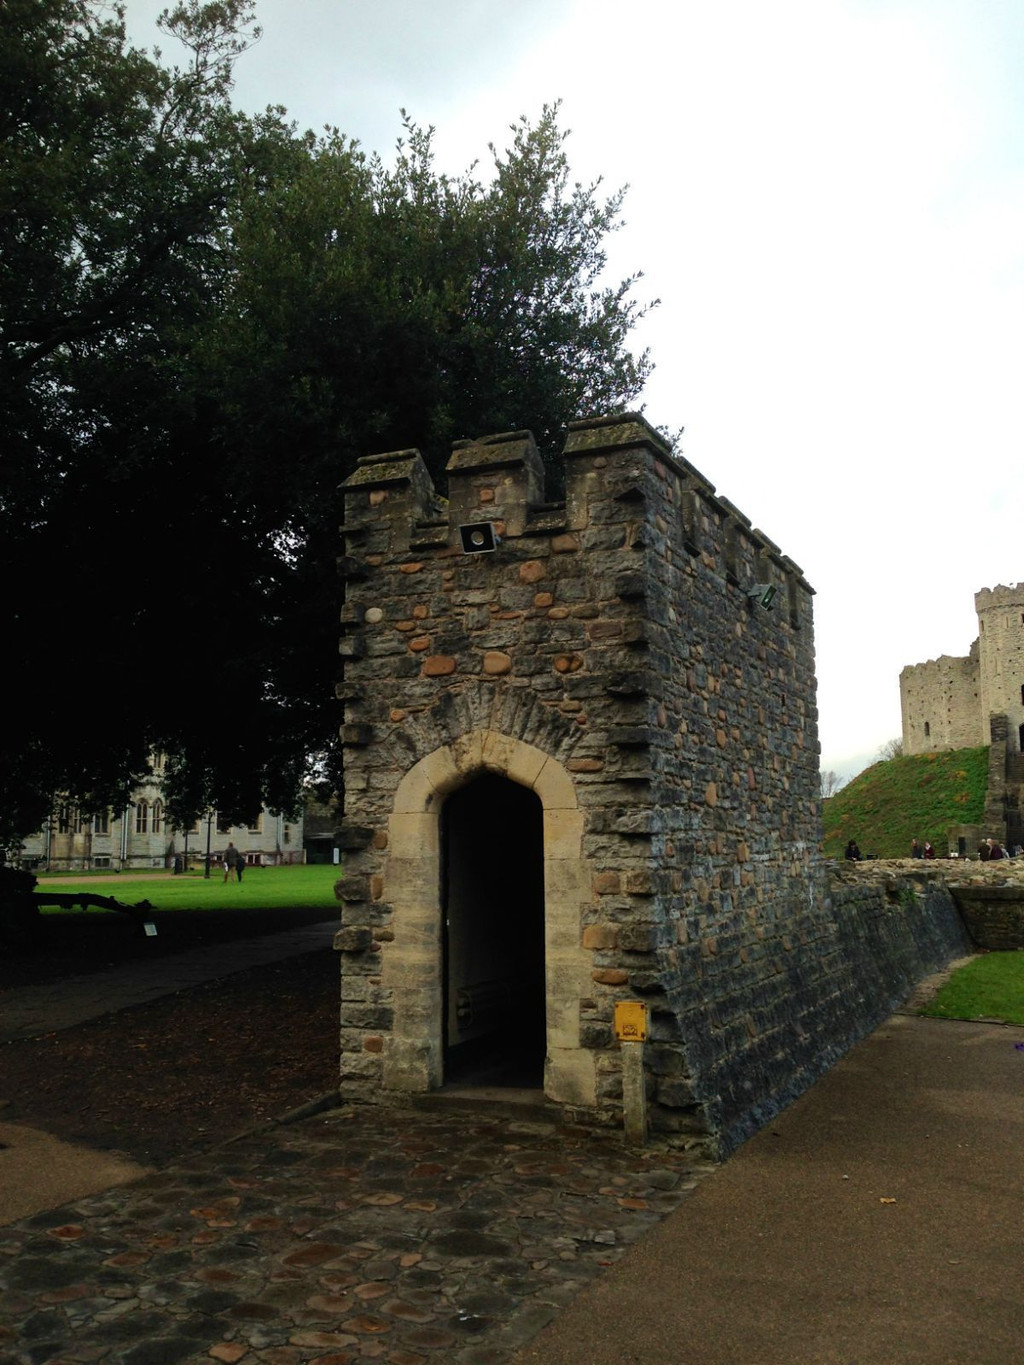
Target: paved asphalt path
{"x": 878, "y": 1221}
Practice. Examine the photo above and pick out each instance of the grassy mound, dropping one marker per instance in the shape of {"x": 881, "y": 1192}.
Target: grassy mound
{"x": 894, "y": 802}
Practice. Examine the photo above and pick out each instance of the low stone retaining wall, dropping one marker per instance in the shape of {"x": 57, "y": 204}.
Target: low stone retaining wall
{"x": 894, "y": 927}
{"x": 989, "y": 897}
{"x": 952, "y": 871}
{"x": 884, "y": 930}
{"x": 994, "y": 916}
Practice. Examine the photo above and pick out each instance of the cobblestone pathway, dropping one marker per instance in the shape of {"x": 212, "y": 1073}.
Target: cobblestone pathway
{"x": 403, "y": 1237}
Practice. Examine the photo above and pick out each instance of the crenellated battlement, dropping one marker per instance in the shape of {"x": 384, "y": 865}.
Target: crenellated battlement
{"x": 392, "y": 508}
{"x": 943, "y": 661}
{"x": 1000, "y": 597}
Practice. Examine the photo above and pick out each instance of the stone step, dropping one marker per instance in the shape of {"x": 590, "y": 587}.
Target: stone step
{"x": 491, "y": 1101}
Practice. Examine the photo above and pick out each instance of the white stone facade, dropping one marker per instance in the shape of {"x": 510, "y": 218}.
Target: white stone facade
{"x": 946, "y": 703}
{"x": 141, "y": 837}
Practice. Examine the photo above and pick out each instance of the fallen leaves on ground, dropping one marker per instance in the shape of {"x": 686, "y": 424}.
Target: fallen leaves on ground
{"x": 189, "y": 1069}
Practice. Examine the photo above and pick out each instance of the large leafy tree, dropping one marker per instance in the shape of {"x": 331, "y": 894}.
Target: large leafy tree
{"x": 220, "y": 317}
{"x": 116, "y": 175}
{"x": 379, "y": 307}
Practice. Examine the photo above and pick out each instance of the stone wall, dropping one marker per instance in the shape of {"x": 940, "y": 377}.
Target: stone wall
{"x": 615, "y": 654}
{"x": 947, "y": 703}
{"x": 940, "y": 706}
{"x": 988, "y": 896}
{"x": 896, "y": 923}
{"x": 994, "y": 916}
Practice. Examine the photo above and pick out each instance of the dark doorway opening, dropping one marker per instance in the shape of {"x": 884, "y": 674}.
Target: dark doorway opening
{"x": 493, "y": 898}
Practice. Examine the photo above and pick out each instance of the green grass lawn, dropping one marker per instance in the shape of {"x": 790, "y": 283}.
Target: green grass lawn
{"x": 261, "y": 888}
{"x": 989, "y": 987}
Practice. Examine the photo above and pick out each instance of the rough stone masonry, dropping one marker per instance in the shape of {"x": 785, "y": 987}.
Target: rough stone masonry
{"x": 582, "y": 768}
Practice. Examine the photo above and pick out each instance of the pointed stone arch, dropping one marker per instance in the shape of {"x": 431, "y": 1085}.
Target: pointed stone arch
{"x": 412, "y": 967}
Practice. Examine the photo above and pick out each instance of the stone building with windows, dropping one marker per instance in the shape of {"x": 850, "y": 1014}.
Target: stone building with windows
{"x": 140, "y": 836}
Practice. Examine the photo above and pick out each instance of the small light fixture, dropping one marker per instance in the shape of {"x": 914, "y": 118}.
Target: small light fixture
{"x": 763, "y": 594}
{"x": 479, "y": 538}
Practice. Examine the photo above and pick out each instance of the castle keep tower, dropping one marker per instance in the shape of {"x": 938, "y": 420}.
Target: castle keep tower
{"x": 950, "y": 703}
{"x": 581, "y": 767}
{"x": 1001, "y": 653}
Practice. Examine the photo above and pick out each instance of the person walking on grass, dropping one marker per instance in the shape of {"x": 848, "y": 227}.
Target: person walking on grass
{"x": 232, "y": 858}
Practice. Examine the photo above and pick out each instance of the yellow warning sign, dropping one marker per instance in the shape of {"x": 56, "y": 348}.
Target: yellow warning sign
{"x": 630, "y": 1021}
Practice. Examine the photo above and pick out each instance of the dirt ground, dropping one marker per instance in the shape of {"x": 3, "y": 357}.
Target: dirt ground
{"x": 187, "y": 1070}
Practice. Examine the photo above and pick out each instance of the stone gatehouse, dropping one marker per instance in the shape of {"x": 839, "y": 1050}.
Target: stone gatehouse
{"x": 581, "y": 768}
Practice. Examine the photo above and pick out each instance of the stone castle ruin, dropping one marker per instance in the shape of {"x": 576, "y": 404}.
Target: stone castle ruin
{"x": 962, "y": 703}
{"x": 948, "y": 703}
{"x": 581, "y": 760}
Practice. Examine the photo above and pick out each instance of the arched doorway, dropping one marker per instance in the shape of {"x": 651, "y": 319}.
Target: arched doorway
{"x": 412, "y": 969}
{"x": 492, "y": 845}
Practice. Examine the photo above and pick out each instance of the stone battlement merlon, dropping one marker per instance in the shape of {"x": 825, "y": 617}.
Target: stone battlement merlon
{"x": 734, "y": 512}
{"x": 392, "y": 508}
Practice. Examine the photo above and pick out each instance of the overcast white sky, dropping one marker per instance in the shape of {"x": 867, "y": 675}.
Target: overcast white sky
{"x": 828, "y": 198}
